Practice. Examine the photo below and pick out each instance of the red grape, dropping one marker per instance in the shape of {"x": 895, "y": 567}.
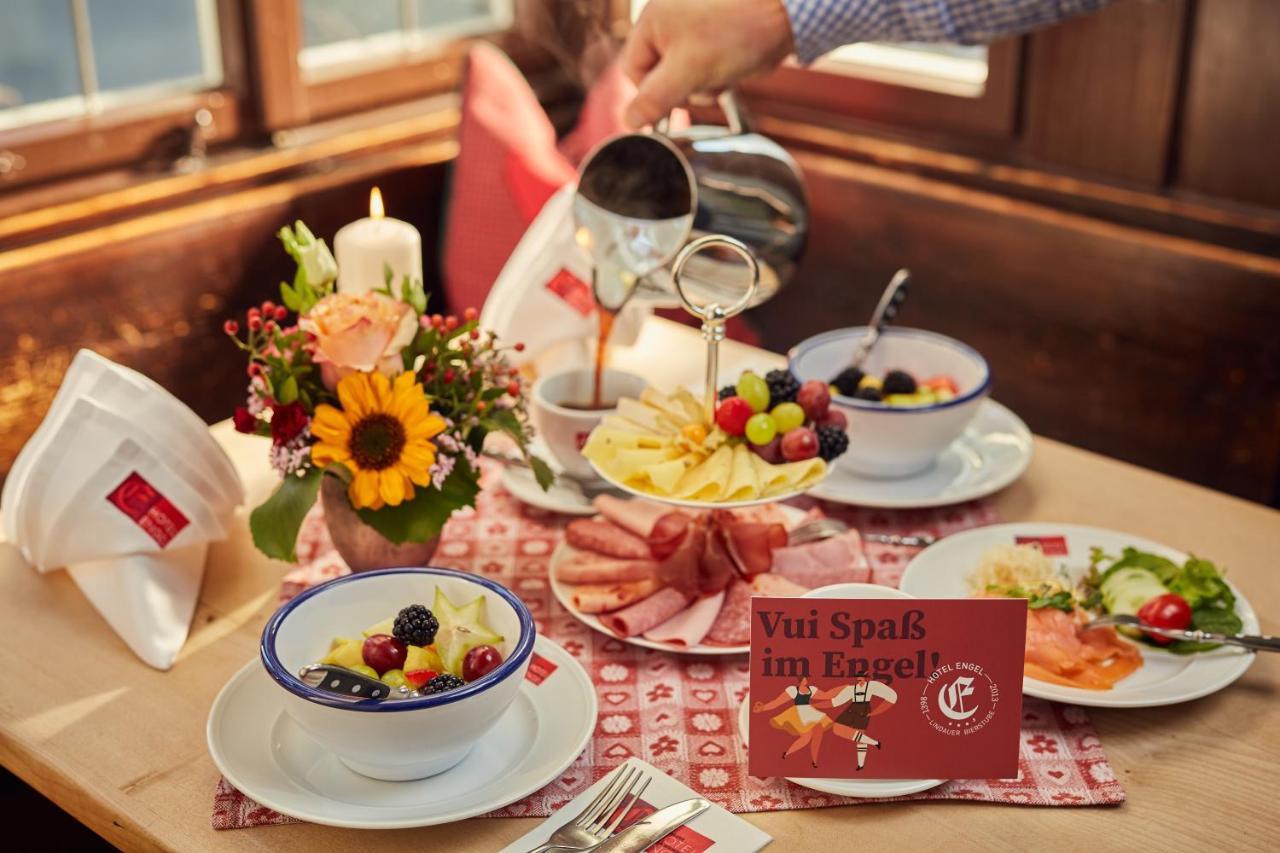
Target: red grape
{"x": 833, "y": 417}
{"x": 771, "y": 452}
{"x": 815, "y": 398}
{"x": 383, "y": 652}
{"x": 800, "y": 444}
{"x": 480, "y": 661}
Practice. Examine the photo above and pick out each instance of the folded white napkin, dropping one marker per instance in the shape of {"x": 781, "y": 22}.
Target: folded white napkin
{"x": 716, "y": 829}
{"x": 123, "y": 486}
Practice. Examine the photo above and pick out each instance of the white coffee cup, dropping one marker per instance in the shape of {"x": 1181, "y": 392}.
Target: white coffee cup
{"x": 565, "y": 429}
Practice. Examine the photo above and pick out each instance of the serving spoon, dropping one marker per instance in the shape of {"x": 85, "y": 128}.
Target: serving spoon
{"x": 1256, "y": 642}
{"x": 886, "y": 309}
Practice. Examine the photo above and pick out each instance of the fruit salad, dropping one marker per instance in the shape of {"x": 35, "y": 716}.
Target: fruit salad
{"x": 895, "y": 388}
{"x": 781, "y": 419}
{"x": 422, "y": 651}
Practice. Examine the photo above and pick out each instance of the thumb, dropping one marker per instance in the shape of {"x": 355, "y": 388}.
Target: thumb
{"x": 666, "y": 87}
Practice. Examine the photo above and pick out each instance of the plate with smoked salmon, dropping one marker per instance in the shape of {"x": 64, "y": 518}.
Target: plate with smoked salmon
{"x": 1072, "y": 574}
{"x": 681, "y": 580}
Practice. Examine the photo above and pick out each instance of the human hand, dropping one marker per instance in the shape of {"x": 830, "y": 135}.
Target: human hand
{"x": 677, "y": 48}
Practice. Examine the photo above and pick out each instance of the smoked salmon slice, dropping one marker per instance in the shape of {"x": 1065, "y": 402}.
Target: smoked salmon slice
{"x": 1060, "y": 651}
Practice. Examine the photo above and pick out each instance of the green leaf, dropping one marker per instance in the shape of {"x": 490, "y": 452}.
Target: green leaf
{"x": 290, "y": 297}
{"x": 276, "y": 522}
{"x": 423, "y": 517}
{"x": 541, "y": 471}
{"x": 288, "y": 391}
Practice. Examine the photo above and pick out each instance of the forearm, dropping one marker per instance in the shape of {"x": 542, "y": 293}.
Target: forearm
{"x": 819, "y": 26}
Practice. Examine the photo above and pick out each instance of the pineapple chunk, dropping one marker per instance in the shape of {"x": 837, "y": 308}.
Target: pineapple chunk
{"x": 386, "y": 626}
{"x": 346, "y": 652}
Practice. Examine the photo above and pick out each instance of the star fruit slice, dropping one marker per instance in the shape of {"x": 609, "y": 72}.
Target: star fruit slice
{"x": 461, "y": 630}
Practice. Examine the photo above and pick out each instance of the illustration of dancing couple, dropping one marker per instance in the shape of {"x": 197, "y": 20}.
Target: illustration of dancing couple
{"x": 806, "y": 717}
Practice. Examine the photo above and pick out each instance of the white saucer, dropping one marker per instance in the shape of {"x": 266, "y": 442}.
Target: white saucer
{"x": 994, "y": 450}
{"x": 942, "y": 571}
{"x": 561, "y": 592}
{"x": 263, "y": 753}
{"x": 564, "y": 496}
{"x": 870, "y": 789}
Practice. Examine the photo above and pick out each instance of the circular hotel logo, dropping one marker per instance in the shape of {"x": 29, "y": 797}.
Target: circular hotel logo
{"x": 959, "y": 699}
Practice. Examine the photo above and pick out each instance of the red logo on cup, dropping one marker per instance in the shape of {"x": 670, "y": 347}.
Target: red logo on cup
{"x": 1052, "y": 546}
{"x": 573, "y": 291}
{"x": 149, "y": 509}
{"x": 580, "y": 440}
{"x": 540, "y": 669}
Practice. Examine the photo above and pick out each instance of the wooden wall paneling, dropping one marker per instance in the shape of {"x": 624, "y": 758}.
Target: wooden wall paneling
{"x": 1154, "y": 349}
{"x": 152, "y": 293}
{"x": 1102, "y": 91}
{"x": 1230, "y": 136}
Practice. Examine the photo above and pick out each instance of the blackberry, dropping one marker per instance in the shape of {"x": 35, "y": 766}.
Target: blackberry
{"x": 869, "y": 393}
{"x": 415, "y": 626}
{"x": 783, "y": 386}
{"x": 832, "y": 441}
{"x": 728, "y": 391}
{"x": 443, "y": 682}
{"x": 847, "y": 380}
{"x": 898, "y": 382}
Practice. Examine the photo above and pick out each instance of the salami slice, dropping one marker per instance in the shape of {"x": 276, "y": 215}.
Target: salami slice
{"x": 604, "y": 537}
{"x": 732, "y": 626}
{"x": 646, "y": 613}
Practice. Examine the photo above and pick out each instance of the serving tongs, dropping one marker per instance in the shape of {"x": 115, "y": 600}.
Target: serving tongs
{"x": 712, "y": 314}
{"x": 1256, "y": 642}
{"x": 886, "y": 309}
{"x": 345, "y": 683}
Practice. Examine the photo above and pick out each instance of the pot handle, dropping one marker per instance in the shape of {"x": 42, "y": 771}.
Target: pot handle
{"x": 727, "y": 100}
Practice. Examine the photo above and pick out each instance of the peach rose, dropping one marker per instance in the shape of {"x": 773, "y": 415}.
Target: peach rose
{"x": 359, "y": 332}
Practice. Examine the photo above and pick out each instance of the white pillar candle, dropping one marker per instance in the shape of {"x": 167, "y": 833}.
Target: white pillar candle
{"x": 363, "y": 247}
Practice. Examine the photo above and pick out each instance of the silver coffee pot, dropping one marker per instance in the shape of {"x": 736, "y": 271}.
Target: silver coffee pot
{"x": 643, "y": 196}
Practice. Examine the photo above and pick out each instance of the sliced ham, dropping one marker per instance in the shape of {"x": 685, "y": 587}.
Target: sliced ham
{"x": 589, "y": 567}
{"x": 644, "y": 614}
{"x": 826, "y": 561}
{"x": 667, "y": 533}
{"x": 602, "y": 597}
{"x": 776, "y": 586}
{"x": 604, "y": 537}
{"x": 635, "y": 515}
{"x": 689, "y": 626}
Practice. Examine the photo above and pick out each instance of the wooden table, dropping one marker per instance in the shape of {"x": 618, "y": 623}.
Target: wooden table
{"x": 122, "y": 747}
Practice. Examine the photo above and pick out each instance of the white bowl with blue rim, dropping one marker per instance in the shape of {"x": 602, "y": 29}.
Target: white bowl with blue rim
{"x": 400, "y": 739}
{"x": 892, "y": 441}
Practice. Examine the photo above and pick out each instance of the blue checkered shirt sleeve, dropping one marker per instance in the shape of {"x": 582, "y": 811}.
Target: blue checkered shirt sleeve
{"x": 822, "y": 25}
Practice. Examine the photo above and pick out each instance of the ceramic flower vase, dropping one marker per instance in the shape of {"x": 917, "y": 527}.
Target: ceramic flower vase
{"x": 362, "y": 547}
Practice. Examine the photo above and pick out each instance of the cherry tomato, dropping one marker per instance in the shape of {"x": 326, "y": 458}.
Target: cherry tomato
{"x": 1166, "y": 611}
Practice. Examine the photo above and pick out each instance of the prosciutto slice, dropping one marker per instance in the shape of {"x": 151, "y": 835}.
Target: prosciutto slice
{"x": 667, "y": 533}
{"x": 680, "y": 570}
{"x": 826, "y": 561}
{"x": 604, "y": 537}
{"x": 635, "y": 515}
{"x": 751, "y": 543}
{"x": 588, "y": 567}
{"x": 716, "y": 568}
{"x": 646, "y": 613}
{"x": 689, "y": 626}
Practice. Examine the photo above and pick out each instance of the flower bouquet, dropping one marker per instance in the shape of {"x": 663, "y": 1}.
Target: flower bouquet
{"x": 384, "y": 405}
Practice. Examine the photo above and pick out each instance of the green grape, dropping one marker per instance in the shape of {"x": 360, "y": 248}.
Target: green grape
{"x": 364, "y": 669}
{"x": 754, "y": 390}
{"x": 788, "y": 416}
{"x": 761, "y": 429}
{"x": 395, "y": 678}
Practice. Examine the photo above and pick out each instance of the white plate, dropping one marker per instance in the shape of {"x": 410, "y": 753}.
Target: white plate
{"x": 942, "y": 571}
{"x": 658, "y": 499}
{"x": 865, "y": 788}
{"x": 994, "y": 450}
{"x": 561, "y": 592}
{"x": 263, "y": 753}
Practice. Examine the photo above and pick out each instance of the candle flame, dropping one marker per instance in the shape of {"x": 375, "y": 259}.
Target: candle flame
{"x": 376, "y": 210}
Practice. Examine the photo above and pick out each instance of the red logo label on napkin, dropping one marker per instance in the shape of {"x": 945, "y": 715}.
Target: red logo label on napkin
{"x": 149, "y": 509}
{"x": 540, "y": 669}
{"x": 680, "y": 840}
{"x": 573, "y": 291}
{"x": 886, "y": 688}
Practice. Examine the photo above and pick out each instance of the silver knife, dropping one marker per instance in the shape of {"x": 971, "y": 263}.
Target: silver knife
{"x": 648, "y": 831}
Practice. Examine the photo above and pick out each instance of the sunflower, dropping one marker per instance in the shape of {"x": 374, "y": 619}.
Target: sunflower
{"x": 381, "y": 434}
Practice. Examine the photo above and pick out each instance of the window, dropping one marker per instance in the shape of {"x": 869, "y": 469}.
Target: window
{"x": 345, "y": 36}
{"x": 62, "y": 59}
{"x": 946, "y": 68}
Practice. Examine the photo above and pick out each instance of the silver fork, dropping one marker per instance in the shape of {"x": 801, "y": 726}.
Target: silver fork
{"x": 1258, "y": 643}
{"x": 598, "y": 820}
{"x": 825, "y": 528}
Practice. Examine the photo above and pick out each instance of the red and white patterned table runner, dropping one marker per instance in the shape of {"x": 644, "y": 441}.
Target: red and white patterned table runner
{"x": 679, "y": 712}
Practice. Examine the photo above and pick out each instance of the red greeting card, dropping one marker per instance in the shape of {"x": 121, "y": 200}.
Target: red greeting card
{"x": 886, "y": 688}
